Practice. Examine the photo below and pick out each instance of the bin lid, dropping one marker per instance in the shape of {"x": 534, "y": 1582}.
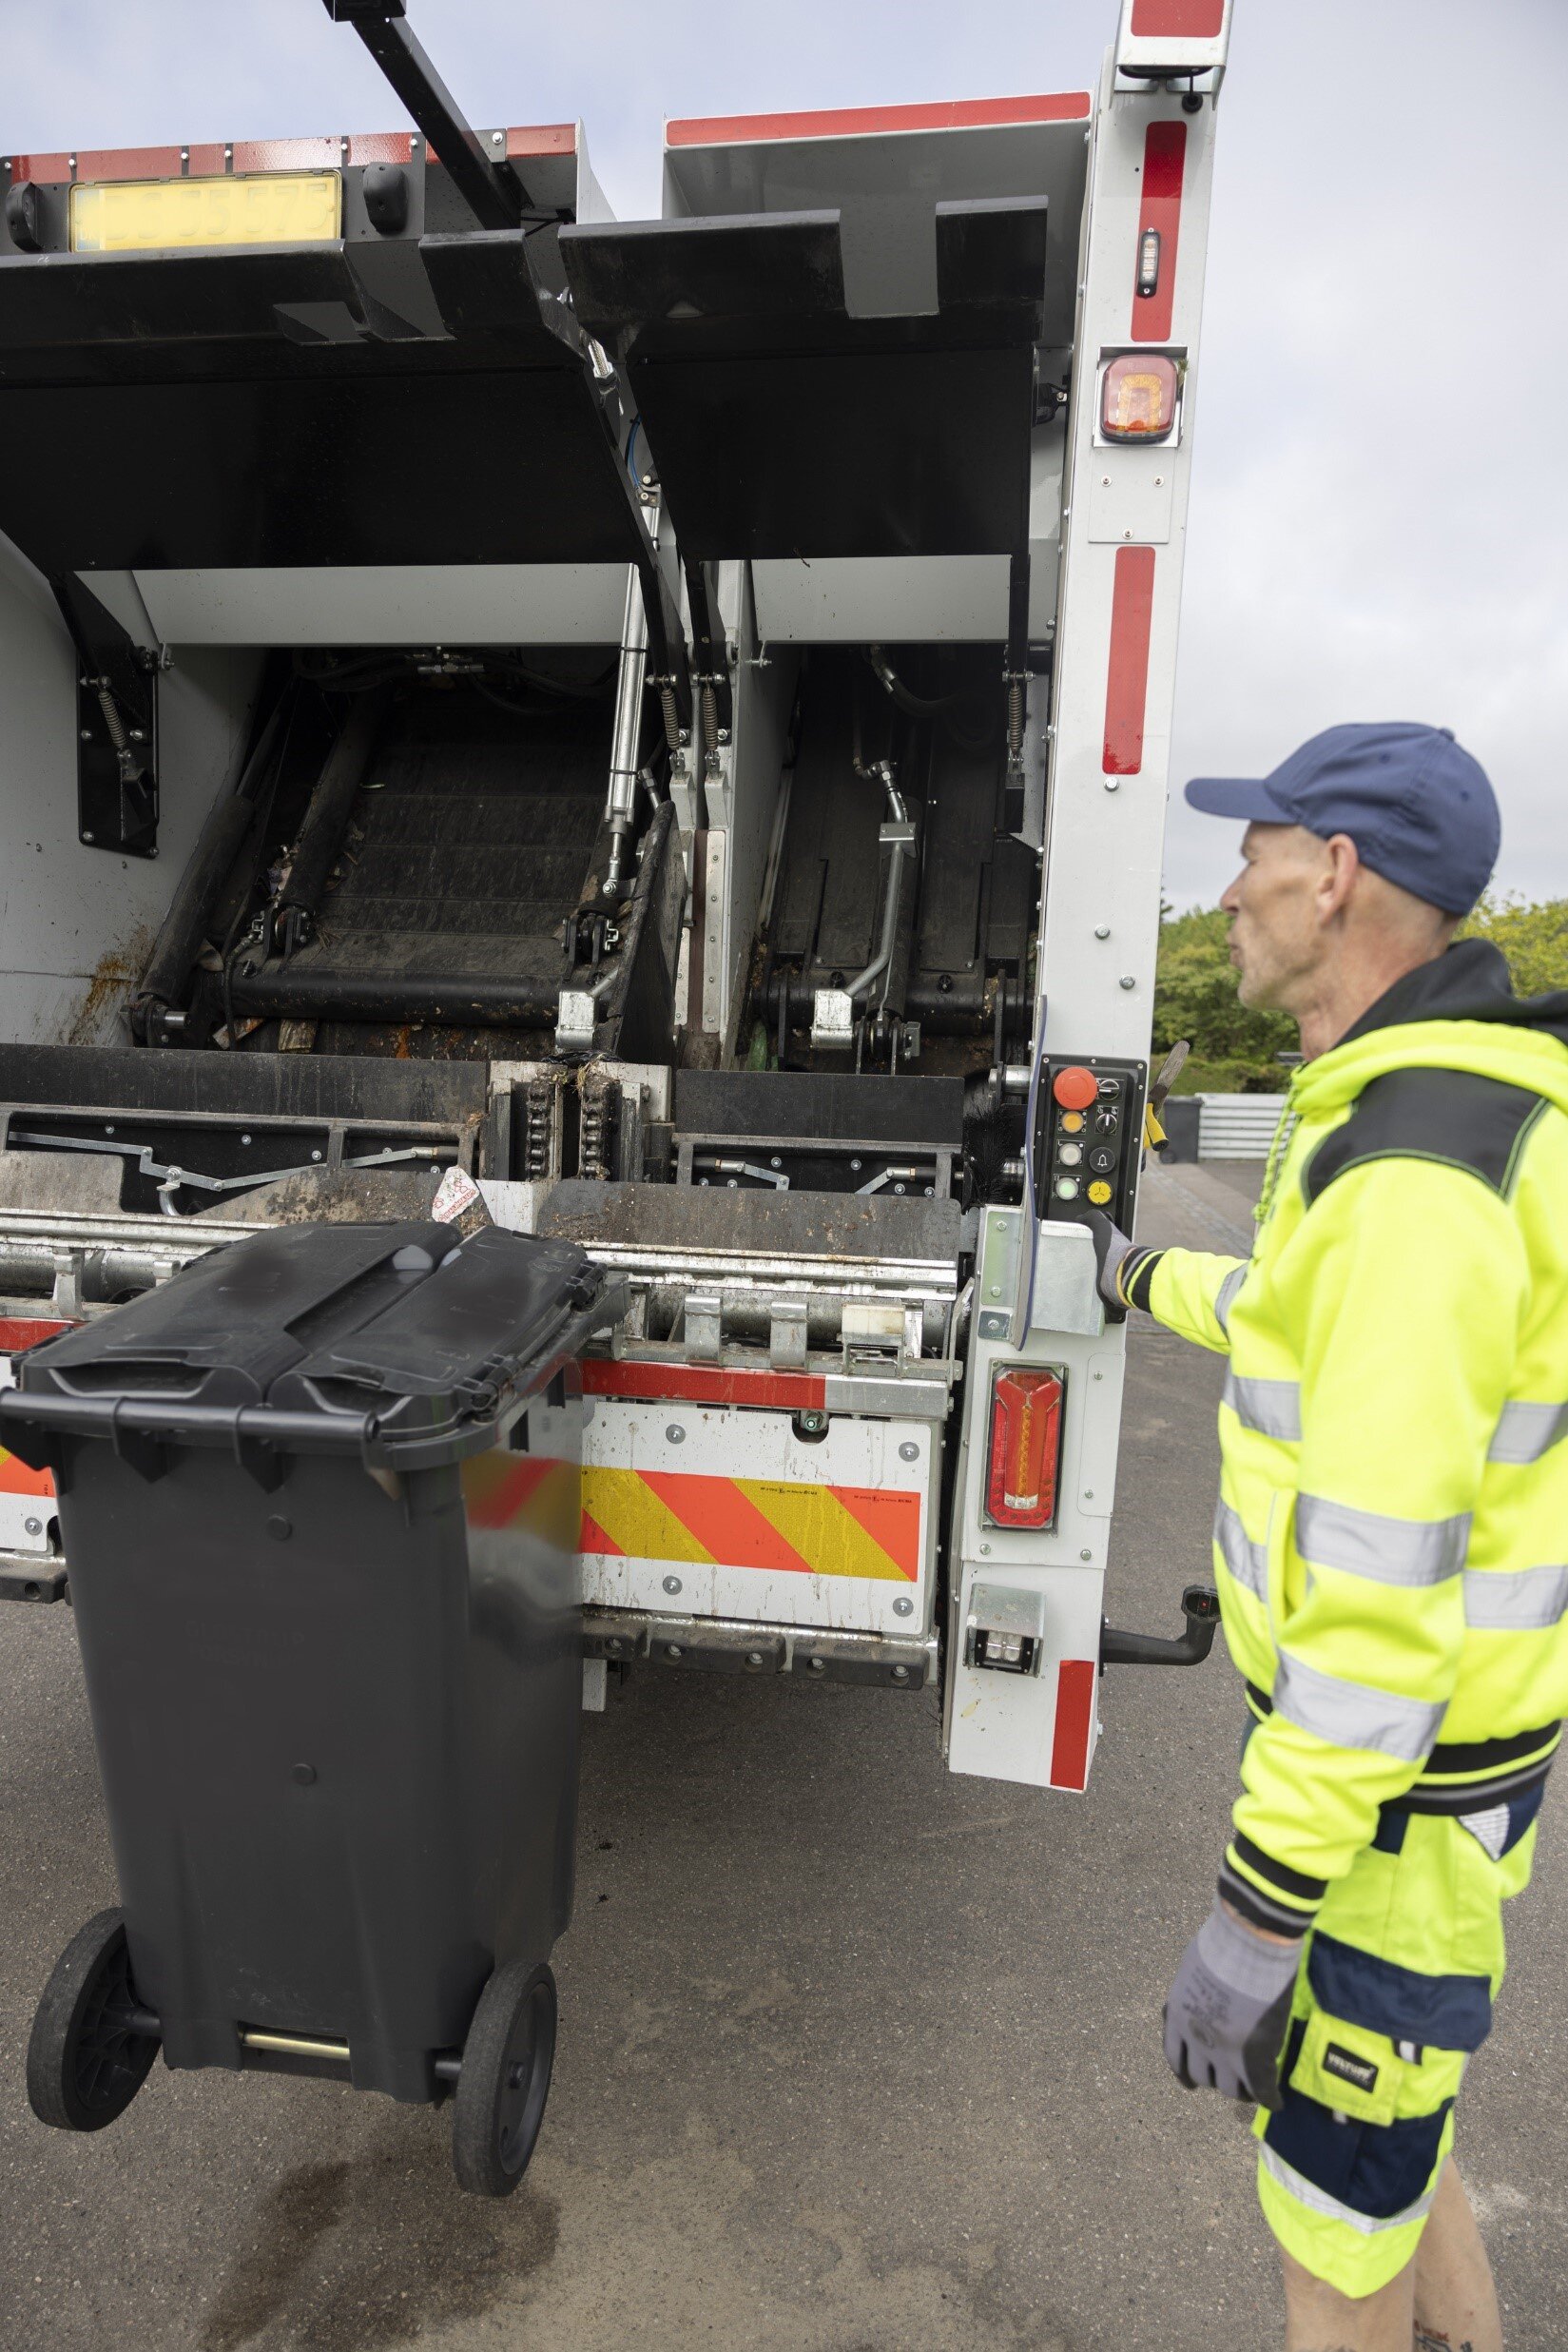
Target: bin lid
{"x": 403, "y": 1327}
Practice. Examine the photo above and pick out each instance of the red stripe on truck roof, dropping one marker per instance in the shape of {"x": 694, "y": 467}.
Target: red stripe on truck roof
{"x": 129, "y": 163}
{"x": 288, "y": 154}
{"x": 43, "y": 167}
{"x": 543, "y": 139}
{"x": 704, "y": 130}
{"x": 1178, "y": 20}
{"x": 375, "y": 147}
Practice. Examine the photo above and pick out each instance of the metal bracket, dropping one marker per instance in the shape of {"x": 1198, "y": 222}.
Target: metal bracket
{"x": 116, "y": 728}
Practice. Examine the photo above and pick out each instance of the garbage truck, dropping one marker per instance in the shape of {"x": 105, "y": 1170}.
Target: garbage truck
{"x": 665, "y": 721}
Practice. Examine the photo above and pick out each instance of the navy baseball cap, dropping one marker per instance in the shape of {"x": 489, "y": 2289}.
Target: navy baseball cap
{"x": 1418, "y": 808}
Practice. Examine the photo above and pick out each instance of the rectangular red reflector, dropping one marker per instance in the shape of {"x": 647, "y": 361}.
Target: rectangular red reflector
{"x": 1026, "y": 1436}
{"x": 1074, "y": 1718}
{"x": 1127, "y": 675}
{"x": 1164, "y": 170}
{"x": 1178, "y": 20}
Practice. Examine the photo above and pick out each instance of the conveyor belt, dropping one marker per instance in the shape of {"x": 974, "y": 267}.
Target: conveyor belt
{"x": 464, "y": 854}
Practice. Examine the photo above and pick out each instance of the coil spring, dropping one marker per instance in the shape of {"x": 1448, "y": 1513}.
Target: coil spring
{"x": 672, "y": 720}
{"x": 1015, "y": 718}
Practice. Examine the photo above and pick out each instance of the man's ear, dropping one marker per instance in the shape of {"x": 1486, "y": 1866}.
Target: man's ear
{"x": 1341, "y": 864}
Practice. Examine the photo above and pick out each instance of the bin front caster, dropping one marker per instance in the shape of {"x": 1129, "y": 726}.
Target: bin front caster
{"x": 505, "y": 2079}
{"x": 85, "y": 2060}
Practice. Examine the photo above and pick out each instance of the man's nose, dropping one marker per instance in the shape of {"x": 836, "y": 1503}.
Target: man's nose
{"x": 1229, "y": 901}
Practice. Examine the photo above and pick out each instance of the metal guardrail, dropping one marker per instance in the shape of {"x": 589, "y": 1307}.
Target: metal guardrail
{"x": 1237, "y": 1126}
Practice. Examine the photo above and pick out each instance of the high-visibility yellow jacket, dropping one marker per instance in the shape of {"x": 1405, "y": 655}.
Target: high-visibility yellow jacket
{"x": 1391, "y": 1544}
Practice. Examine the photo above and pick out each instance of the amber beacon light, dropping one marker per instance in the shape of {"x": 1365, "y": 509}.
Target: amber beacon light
{"x": 1138, "y": 395}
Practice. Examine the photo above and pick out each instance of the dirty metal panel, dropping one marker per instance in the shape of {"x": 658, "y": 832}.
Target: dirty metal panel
{"x": 723, "y": 1512}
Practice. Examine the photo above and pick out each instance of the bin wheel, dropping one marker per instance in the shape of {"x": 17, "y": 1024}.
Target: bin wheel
{"x": 505, "y": 2079}
{"x": 85, "y": 2062}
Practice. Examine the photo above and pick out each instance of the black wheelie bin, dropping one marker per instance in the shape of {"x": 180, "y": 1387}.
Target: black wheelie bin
{"x": 320, "y": 1497}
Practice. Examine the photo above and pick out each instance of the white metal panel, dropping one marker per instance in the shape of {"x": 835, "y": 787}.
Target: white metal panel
{"x": 1099, "y": 932}
{"x": 1131, "y": 493}
{"x": 389, "y": 604}
{"x": 1106, "y": 829}
{"x": 1237, "y": 1126}
{"x": 725, "y": 1444}
{"x": 77, "y": 924}
{"x": 885, "y": 599}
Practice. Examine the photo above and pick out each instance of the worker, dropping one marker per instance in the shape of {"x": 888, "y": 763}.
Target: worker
{"x": 1392, "y": 1529}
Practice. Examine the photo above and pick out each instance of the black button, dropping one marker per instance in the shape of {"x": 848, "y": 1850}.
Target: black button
{"x": 1103, "y": 1159}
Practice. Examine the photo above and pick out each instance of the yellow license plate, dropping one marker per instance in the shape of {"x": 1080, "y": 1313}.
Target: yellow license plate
{"x": 247, "y": 208}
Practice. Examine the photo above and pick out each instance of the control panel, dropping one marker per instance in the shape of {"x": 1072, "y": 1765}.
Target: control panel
{"x": 1088, "y": 1136}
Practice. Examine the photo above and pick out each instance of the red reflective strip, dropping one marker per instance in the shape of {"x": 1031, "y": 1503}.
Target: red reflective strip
{"x": 15, "y": 1477}
{"x": 288, "y": 154}
{"x": 130, "y": 164}
{"x": 380, "y": 147}
{"x": 1164, "y": 161}
{"x": 1178, "y": 20}
{"x": 1074, "y": 1714}
{"x": 45, "y": 167}
{"x": 18, "y": 1332}
{"x": 1127, "y": 673}
{"x": 704, "y": 130}
{"x": 726, "y": 1523}
{"x": 542, "y": 139}
{"x": 695, "y": 1383}
{"x": 208, "y": 162}
{"x": 892, "y": 1520}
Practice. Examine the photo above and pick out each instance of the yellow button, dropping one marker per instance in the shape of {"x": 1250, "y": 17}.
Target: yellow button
{"x": 1072, "y": 1123}
{"x": 1099, "y": 1194}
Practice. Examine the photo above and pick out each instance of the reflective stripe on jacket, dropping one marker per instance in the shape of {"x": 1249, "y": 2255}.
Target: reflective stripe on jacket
{"x": 1391, "y": 1539}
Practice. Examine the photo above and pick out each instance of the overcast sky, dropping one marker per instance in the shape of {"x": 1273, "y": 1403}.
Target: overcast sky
{"x": 1380, "y": 501}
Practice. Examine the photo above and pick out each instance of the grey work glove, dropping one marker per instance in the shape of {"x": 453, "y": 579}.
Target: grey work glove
{"x": 1111, "y": 1246}
{"x": 1229, "y": 2009}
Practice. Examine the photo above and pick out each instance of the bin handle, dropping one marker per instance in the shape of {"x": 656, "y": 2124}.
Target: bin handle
{"x": 140, "y": 1430}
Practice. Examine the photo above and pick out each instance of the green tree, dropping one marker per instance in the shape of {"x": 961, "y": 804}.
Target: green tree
{"x": 1233, "y": 1048}
{"x": 1533, "y": 937}
{"x": 1236, "y": 1051}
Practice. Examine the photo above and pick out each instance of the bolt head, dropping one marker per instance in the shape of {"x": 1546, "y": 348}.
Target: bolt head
{"x": 1127, "y": 981}
{"x": 1102, "y": 930}
{"x": 33, "y": 1527}
{"x": 909, "y": 1451}
{"x": 1086, "y": 1555}
{"x": 901, "y": 1674}
{"x": 674, "y": 1434}
{"x": 818, "y": 1665}
{"x": 753, "y": 1658}
{"x": 904, "y": 1606}
{"x": 673, "y": 1652}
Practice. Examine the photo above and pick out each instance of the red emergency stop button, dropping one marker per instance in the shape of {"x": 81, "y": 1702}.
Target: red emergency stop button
{"x": 1075, "y": 1088}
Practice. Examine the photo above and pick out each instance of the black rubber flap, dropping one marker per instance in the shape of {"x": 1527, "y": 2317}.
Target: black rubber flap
{"x": 401, "y": 1325}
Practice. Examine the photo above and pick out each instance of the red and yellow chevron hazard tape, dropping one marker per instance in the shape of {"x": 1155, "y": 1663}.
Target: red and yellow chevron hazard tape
{"x": 782, "y": 1527}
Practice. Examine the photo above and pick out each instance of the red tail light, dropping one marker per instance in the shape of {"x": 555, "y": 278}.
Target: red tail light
{"x": 1026, "y": 1436}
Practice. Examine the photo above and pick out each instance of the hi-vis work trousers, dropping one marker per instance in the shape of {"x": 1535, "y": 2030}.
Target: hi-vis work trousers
{"x": 1396, "y": 1989}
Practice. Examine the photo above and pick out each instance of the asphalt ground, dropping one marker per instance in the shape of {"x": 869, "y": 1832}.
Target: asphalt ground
{"x": 855, "y": 2057}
